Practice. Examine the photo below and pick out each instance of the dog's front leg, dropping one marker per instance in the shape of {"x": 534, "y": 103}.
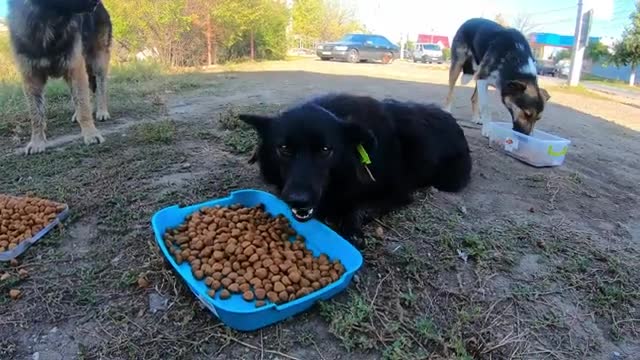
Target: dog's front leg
{"x": 79, "y": 81}
{"x": 34, "y": 92}
{"x": 481, "y": 112}
{"x": 350, "y": 227}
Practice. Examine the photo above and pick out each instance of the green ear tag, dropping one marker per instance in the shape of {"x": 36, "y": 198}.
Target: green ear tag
{"x": 364, "y": 157}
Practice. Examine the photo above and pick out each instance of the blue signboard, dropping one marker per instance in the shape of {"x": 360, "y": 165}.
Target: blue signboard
{"x": 556, "y": 39}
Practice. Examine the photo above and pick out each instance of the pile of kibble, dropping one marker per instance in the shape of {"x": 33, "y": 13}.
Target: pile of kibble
{"x": 23, "y": 217}
{"x": 241, "y": 250}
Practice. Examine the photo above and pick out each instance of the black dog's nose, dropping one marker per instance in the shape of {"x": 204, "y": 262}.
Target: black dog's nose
{"x": 298, "y": 200}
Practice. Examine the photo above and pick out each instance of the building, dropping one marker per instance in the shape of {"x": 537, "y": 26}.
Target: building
{"x": 546, "y": 45}
{"x": 442, "y": 40}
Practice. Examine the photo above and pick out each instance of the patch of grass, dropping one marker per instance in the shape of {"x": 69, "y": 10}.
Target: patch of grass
{"x": 162, "y": 132}
{"x": 134, "y": 89}
{"x": 476, "y": 246}
{"x": 610, "y": 82}
{"x": 409, "y": 297}
{"x": 577, "y": 90}
{"x": 240, "y": 141}
{"x": 397, "y": 350}
{"x": 427, "y": 329}
{"x": 238, "y": 136}
{"x": 409, "y": 260}
{"x": 346, "y": 320}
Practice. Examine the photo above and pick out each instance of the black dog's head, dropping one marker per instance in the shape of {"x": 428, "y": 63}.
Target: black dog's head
{"x": 303, "y": 148}
{"x": 67, "y": 7}
{"x": 525, "y": 101}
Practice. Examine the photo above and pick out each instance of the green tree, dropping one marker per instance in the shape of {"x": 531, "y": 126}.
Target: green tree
{"x": 247, "y": 21}
{"x": 323, "y": 19}
{"x": 627, "y": 51}
{"x": 307, "y": 17}
{"x": 562, "y": 55}
{"x": 157, "y": 24}
{"x": 597, "y": 51}
{"x": 189, "y": 32}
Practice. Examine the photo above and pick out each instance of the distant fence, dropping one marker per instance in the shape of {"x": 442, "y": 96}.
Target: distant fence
{"x": 614, "y": 72}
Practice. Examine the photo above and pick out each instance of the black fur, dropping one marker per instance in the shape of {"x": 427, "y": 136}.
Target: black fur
{"x": 310, "y": 154}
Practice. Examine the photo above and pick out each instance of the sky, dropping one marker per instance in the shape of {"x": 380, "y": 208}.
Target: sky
{"x": 396, "y": 17}
{"x": 443, "y": 17}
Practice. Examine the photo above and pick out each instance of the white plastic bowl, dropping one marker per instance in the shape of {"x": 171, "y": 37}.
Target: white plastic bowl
{"x": 540, "y": 149}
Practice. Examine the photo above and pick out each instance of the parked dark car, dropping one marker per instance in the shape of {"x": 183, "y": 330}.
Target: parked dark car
{"x": 546, "y": 67}
{"x": 360, "y": 47}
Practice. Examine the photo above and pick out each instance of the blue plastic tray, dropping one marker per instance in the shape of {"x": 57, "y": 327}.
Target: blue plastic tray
{"x": 24, "y": 245}
{"x": 236, "y": 312}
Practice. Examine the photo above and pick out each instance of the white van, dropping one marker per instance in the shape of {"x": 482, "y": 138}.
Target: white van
{"x": 428, "y": 53}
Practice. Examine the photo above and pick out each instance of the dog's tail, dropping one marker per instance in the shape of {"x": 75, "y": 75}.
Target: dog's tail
{"x": 467, "y": 71}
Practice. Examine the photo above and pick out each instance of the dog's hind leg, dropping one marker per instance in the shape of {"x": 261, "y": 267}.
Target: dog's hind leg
{"x": 475, "y": 110}
{"x": 79, "y": 80}
{"x": 34, "y": 92}
{"x": 458, "y": 58}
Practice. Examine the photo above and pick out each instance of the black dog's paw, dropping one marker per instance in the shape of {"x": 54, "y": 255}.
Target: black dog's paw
{"x": 358, "y": 241}
{"x": 354, "y": 235}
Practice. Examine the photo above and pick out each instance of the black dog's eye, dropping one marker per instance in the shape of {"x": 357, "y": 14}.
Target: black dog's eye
{"x": 326, "y": 151}
{"x": 284, "y": 150}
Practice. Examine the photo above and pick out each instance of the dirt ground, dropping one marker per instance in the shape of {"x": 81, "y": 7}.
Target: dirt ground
{"x": 525, "y": 263}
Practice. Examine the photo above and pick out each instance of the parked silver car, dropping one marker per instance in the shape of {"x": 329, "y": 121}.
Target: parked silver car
{"x": 428, "y": 53}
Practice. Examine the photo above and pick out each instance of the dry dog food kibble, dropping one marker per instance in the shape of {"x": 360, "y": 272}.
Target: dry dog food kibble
{"x": 245, "y": 251}
{"x": 23, "y": 217}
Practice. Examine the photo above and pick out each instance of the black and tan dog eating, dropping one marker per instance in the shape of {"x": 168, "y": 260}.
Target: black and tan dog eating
{"x": 493, "y": 55}
{"x": 336, "y": 155}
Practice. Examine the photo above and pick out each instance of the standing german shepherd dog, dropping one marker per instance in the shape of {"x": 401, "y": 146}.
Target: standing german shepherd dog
{"x": 62, "y": 38}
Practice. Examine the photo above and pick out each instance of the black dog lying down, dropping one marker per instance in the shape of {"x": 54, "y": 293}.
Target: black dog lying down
{"x": 315, "y": 154}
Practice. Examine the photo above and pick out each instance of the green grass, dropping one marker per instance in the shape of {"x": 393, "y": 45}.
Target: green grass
{"x": 609, "y": 82}
{"x": 238, "y": 136}
{"x": 162, "y": 132}
{"x": 347, "y": 319}
{"x": 135, "y": 90}
{"x": 577, "y": 90}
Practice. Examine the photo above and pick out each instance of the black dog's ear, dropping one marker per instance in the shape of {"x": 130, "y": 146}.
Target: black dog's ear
{"x": 515, "y": 87}
{"x": 260, "y": 123}
{"x": 359, "y": 135}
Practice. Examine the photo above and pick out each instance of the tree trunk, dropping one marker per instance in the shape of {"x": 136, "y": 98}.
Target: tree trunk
{"x": 632, "y": 77}
{"x": 253, "y": 45}
{"x": 215, "y": 53}
{"x": 209, "y": 54}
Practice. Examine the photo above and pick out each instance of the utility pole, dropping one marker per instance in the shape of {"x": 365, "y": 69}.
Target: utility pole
{"x": 402, "y": 42}
{"x": 578, "y": 50}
